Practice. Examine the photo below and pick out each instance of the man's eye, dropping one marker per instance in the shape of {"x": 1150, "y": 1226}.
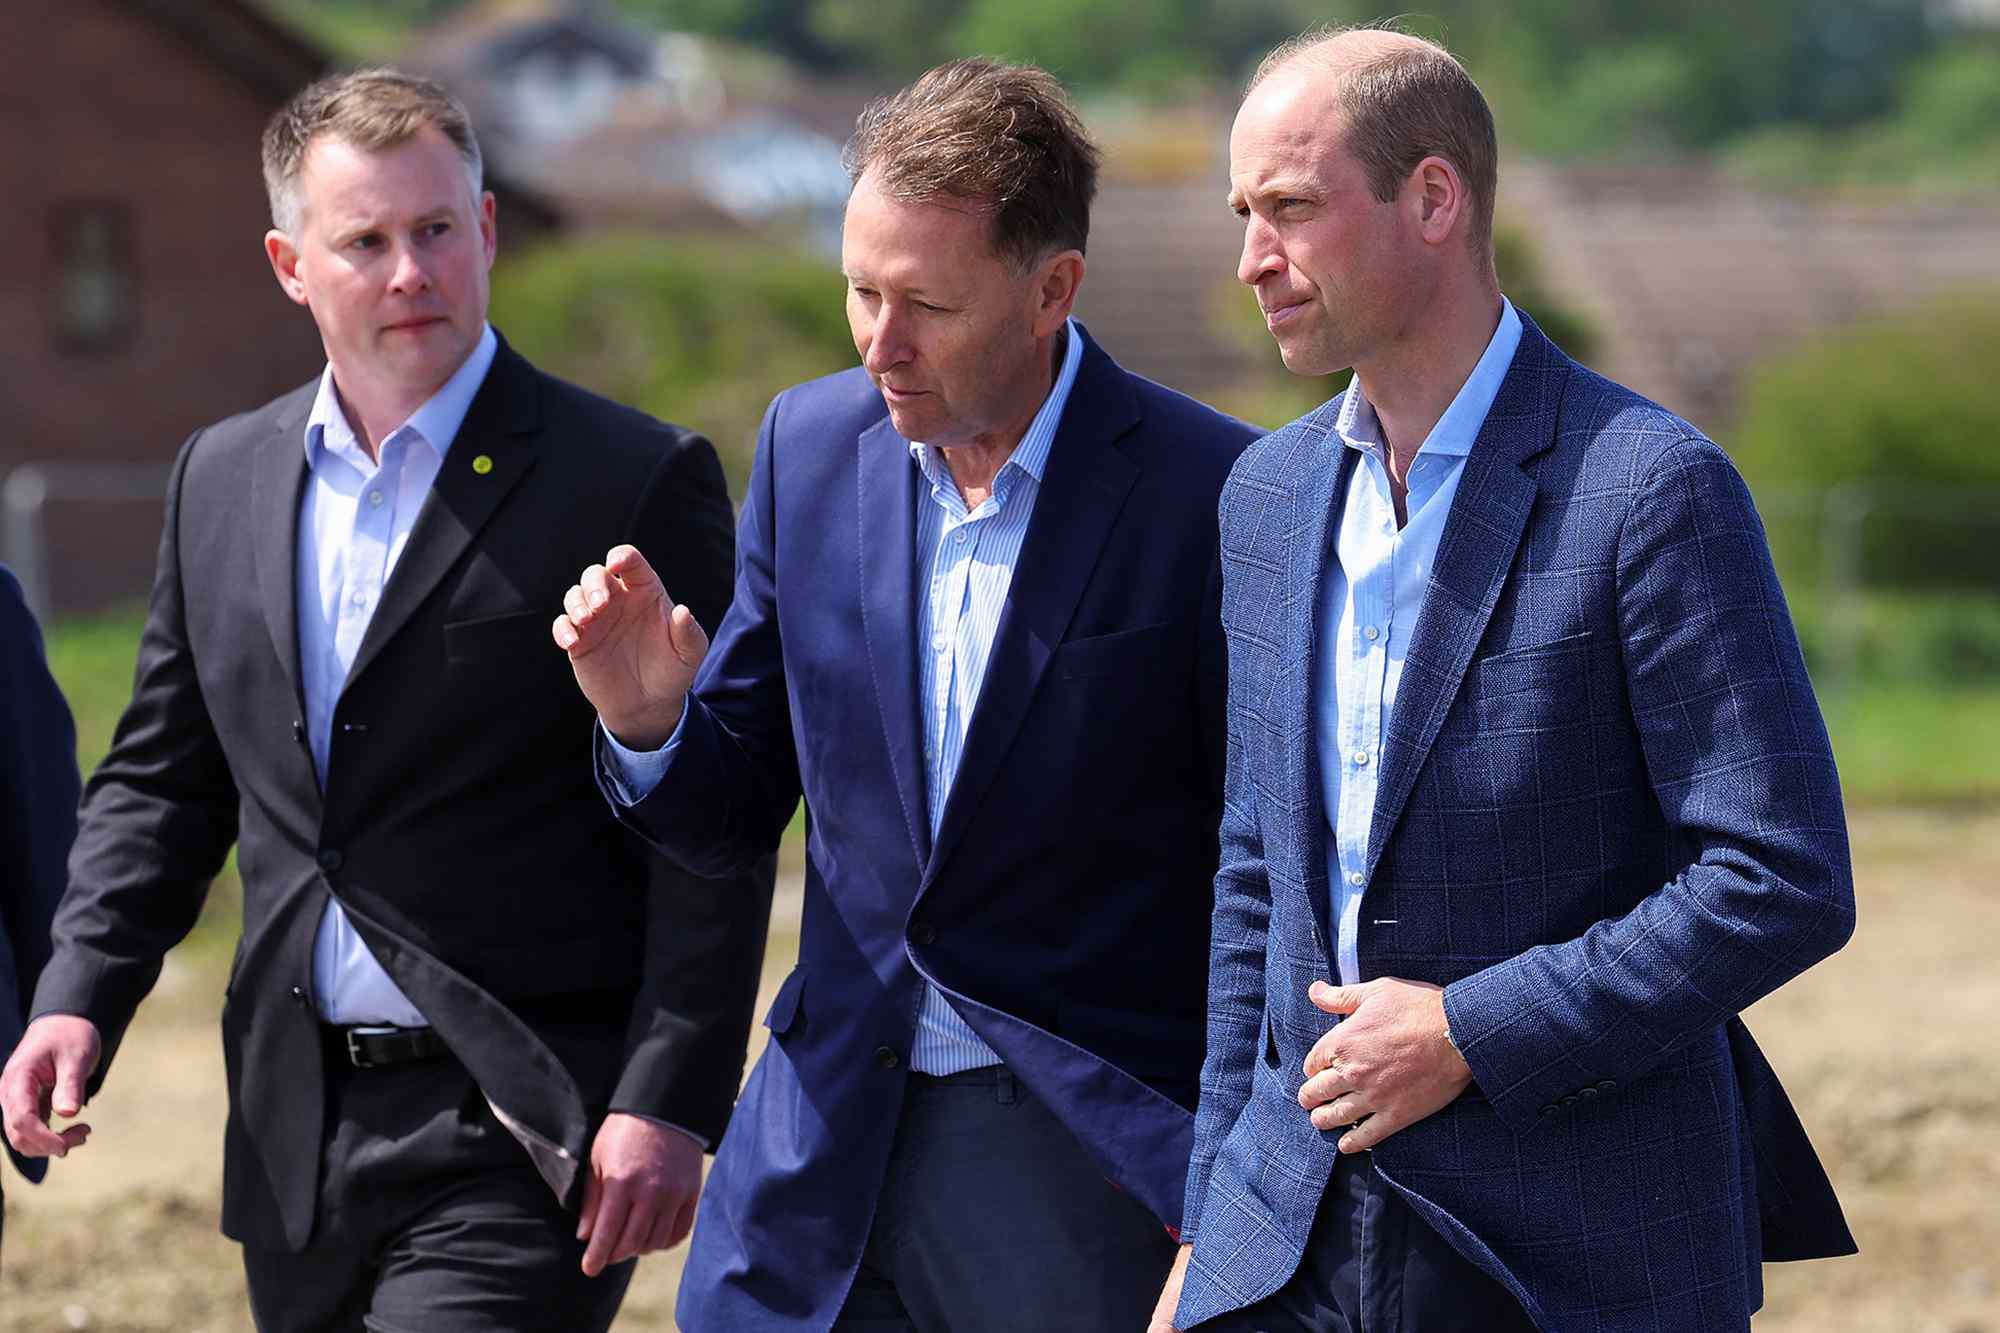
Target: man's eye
{"x": 367, "y": 241}
{"x": 437, "y": 229}
{"x": 927, "y": 306}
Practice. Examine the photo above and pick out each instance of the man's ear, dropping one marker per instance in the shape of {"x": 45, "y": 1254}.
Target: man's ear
{"x": 284, "y": 257}
{"x": 489, "y": 229}
{"x": 1439, "y": 196}
{"x": 1056, "y": 283}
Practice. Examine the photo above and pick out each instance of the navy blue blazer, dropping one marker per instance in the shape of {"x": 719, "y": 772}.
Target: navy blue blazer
{"x": 1064, "y": 906}
{"x": 39, "y": 787}
{"x": 1608, "y": 821}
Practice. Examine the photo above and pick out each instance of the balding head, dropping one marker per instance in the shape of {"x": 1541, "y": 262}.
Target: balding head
{"x": 1402, "y": 99}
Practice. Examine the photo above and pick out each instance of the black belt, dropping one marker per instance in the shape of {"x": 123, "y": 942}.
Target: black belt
{"x": 371, "y": 1047}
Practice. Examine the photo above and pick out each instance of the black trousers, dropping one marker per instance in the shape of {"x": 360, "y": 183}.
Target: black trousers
{"x": 1373, "y": 1266}
{"x": 431, "y": 1220}
{"x": 993, "y": 1218}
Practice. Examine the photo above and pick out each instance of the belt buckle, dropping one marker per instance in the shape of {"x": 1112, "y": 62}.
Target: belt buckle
{"x": 355, "y": 1055}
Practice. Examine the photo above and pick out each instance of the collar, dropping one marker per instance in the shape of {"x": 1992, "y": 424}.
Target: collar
{"x": 1359, "y": 428}
{"x": 1031, "y": 455}
{"x": 436, "y": 423}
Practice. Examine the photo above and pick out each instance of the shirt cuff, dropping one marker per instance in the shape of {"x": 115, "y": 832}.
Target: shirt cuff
{"x": 634, "y": 773}
{"x": 699, "y": 1140}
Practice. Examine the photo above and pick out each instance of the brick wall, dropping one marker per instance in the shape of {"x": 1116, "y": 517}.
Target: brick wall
{"x": 104, "y": 107}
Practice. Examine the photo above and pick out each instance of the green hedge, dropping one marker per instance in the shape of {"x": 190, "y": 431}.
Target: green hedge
{"x": 1904, "y": 406}
{"x": 699, "y": 332}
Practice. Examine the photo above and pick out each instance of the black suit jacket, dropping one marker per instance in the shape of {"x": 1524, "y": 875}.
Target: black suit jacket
{"x": 570, "y": 969}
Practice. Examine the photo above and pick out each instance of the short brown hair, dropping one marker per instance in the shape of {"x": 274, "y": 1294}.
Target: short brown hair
{"x": 371, "y": 109}
{"x": 1404, "y": 104}
{"x": 1003, "y": 136}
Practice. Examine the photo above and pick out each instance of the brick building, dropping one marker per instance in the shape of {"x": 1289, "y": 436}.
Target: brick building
{"x": 135, "y": 300}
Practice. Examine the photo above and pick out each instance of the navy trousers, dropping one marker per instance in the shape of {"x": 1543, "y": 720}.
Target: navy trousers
{"x": 1373, "y": 1266}
{"x": 992, "y": 1218}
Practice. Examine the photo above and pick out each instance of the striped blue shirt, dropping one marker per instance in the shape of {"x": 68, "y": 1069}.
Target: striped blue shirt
{"x": 967, "y": 562}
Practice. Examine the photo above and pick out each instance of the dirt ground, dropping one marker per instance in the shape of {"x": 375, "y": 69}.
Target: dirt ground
{"x": 1888, "y": 1050}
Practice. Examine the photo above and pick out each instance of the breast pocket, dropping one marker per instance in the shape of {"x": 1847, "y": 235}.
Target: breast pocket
{"x": 1537, "y": 685}
{"x": 1123, "y": 652}
{"x": 486, "y": 640}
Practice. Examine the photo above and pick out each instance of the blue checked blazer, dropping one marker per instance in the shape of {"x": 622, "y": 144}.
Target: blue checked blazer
{"x": 1608, "y": 821}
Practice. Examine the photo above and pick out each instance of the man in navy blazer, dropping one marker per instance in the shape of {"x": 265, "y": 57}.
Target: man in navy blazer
{"x": 1522, "y": 755}
{"x": 975, "y": 626}
{"x": 39, "y": 786}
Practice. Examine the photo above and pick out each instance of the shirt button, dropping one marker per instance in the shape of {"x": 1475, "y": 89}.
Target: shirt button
{"x": 940, "y": 643}
{"x": 1355, "y": 879}
{"x": 374, "y": 497}
{"x": 1360, "y": 758}
{"x": 360, "y": 599}
{"x": 960, "y": 535}
{"x": 1371, "y": 634}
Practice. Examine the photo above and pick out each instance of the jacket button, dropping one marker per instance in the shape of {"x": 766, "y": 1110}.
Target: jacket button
{"x": 923, "y": 933}
{"x": 1569, "y": 1100}
{"x": 1550, "y": 1109}
{"x": 1608, "y": 1085}
{"x": 887, "y": 1058}
{"x": 329, "y": 859}
{"x": 1586, "y": 1093}
{"x": 298, "y": 995}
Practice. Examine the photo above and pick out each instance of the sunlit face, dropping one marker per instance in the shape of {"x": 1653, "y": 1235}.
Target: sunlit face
{"x": 946, "y": 329}
{"x": 392, "y": 259}
{"x": 1333, "y": 266}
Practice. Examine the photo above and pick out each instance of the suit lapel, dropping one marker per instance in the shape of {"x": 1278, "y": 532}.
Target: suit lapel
{"x": 887, "y": 537}
{"x": 500, "y": 427}
{"x": 277, "y": 487}
{"x": 1482, "y": 533}
{"x": 1323, "y": 468}
{"x": 1084, "y": 486}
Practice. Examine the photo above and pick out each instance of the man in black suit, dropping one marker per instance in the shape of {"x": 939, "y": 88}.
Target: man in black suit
{"x": 476, "y": 1033}
{"x": 38, "y": 787}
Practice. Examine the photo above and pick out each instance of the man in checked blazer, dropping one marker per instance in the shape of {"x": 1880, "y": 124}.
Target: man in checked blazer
{"x": 475, "y": 1032}
{"x": 1522, "y": 759}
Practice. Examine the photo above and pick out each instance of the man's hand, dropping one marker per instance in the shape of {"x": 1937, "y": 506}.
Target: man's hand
{"x": 1388, "y": 1065}
{"x": 46, "y": 1075}
{"x": 633, "y": 650}
{"x": 1170, "y": 1295}
{"x": 640, "y": 1194}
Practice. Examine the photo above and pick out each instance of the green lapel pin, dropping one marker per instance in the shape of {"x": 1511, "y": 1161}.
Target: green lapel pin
{"x": 483, "y": 464}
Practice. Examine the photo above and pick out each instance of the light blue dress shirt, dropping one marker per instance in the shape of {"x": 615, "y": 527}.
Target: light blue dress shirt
{"x": 1368, "y": 611}
{"x": 966, "y": 562}
{"x": 354, "y": 521}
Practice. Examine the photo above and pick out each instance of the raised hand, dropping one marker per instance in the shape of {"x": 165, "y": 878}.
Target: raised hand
{"x": 633, "y": 650}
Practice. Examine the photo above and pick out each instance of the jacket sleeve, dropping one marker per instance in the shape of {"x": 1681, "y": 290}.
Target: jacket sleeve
{"x": 705, "y": 936}
{"x": 158, "y": 819}
{"x": 1740, "y": 764}
{"x": 1236, "y": 951}
{"x": 732, "y": 784}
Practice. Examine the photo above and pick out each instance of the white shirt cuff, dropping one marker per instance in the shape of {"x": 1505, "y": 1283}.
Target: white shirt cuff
{"x": 634, "y": 773}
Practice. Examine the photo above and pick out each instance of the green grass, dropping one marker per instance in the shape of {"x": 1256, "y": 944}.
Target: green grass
{"x": 1897, "y": 741}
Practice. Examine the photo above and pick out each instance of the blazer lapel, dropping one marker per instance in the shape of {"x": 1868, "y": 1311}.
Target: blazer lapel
{"x": 1482, "y": 533}
{"x": 1323, "y": 468}
{"x": 1083, "y": 488}
{"x": 887, "y": 537}
{"x": 499, "y": 427}
{"x": 277, "y": 487}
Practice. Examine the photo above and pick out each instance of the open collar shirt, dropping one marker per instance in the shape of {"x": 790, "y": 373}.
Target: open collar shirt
{"x": 1369, "y": 605}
